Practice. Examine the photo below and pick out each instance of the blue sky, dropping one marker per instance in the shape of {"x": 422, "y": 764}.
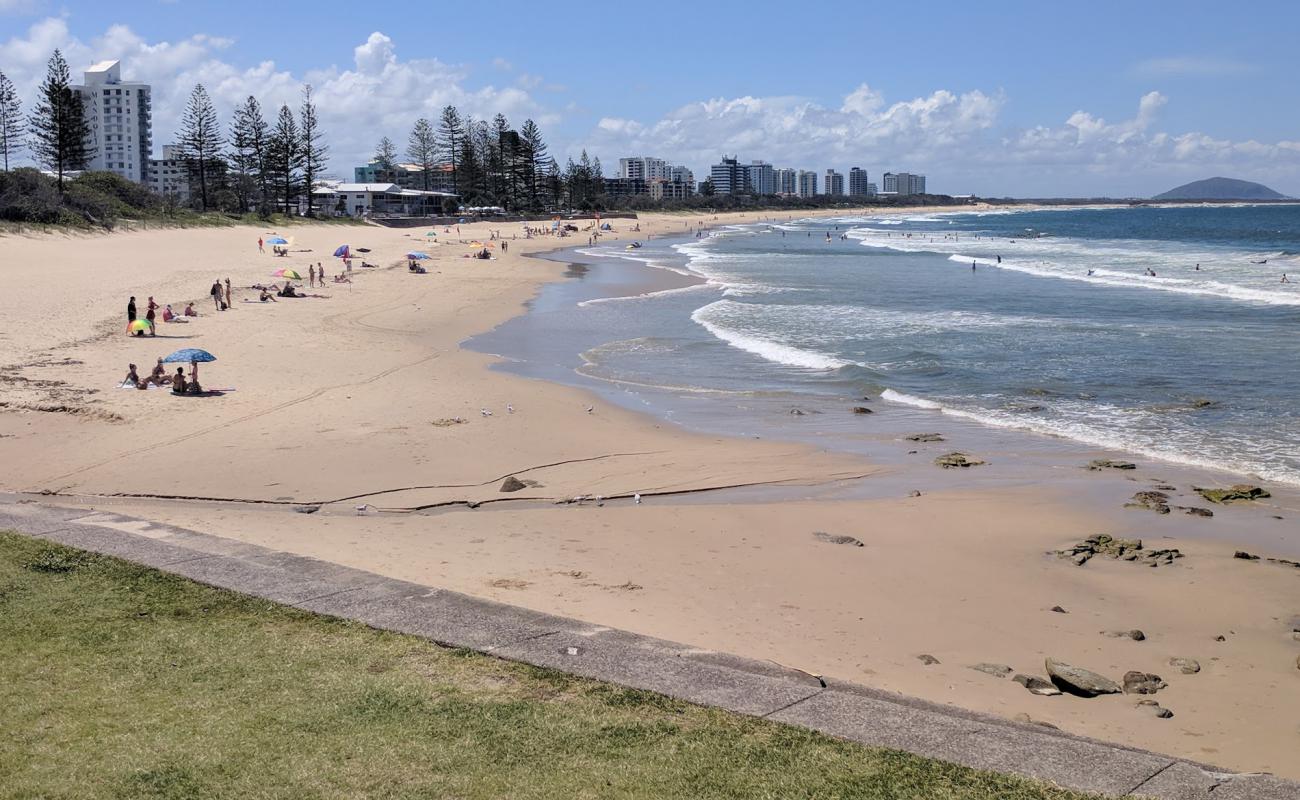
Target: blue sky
{"x": 996, "y": 98}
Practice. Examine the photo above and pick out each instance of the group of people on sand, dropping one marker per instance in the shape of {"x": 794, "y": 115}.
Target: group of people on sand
{"x": 178, "y": 382}
{"x": 151, "y": 316}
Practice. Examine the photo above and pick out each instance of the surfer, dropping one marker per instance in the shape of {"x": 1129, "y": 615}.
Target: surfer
{"x": 1285, "y": 279}
{"x": 1265, "y": 261}
{"x": 1089, "y": 273}
{"x": 1198, "y": 267}
{"x": 999, "y": 259}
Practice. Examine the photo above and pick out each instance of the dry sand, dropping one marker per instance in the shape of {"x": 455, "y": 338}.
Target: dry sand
{"x": 349, "y": 400}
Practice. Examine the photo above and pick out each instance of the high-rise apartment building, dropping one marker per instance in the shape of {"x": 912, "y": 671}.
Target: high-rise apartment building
{"x": 762, "y": 178}
{"x": 120, "y": 117}
{"x": 807, "y": 183}
{"x": 729, "y": 176}
{"x": 904, "y": 183}
{"x": 644, "y": 167}
{"x": 834, "y": 182}
{"x": 859, "y": 186}
{"x": 786, "y": 180}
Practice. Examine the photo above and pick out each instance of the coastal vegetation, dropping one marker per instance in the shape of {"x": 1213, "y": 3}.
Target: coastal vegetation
{"x": 122, "y": 681}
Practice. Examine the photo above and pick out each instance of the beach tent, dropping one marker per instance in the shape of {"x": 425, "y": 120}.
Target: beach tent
{"x": 342, "y": 252}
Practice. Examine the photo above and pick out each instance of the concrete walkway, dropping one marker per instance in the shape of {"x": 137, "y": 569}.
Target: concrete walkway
{"x": 746, "y": 686}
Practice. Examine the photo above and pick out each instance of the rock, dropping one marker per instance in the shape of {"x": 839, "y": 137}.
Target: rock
{"x": 1196, "y": 511}
{"x": 306, "y": 509}
{"x": 1240, "y": 492}
{"x": 996, "y": 670}
{"x": 798, "y": 412}
{"x": 1187, "y": 666}
{"x": 957, "y": 460}
{"x": 1220, "y": 638}
{"x": 1135, "y": 634}
{"x": 831, "y": 538}
{"x": 1150, "y": 501}
{"x": 1037, "y": 685}
{"x": 1059, "y": 610}
{"x": 1078, "y": 680}
{"x": 1154, "y": 708}
{"x": 1031, "y": 721}
{"x": 1142, "y": 683}
{"x": 861, "y": 410}
{"x": 512, "y": 484}
{"x": 914, "y": 493}
{"x": 1244, "y": 556}
{"x": 927, "y": 659}
{"x": 1105, "y": 545}
{"x": 924, "y": 437}
{"x": 1108, "y": 463}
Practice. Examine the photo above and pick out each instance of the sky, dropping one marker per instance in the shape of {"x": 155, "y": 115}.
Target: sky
{"x": 998, "y": 98}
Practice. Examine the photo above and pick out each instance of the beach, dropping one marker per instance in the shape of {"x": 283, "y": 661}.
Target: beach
{"x": 365, "y": 403}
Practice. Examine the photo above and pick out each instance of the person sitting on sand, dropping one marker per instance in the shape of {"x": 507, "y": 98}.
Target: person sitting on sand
{"x": 189, "y": 310}
{"x": 178, "y": 381}
{"x": 159, "y": 375}
{"x": 132, "y": 378}
{"x": 266, "y": 296}
{"x": 342, "y": 279}
{"x": 288, "y": 291}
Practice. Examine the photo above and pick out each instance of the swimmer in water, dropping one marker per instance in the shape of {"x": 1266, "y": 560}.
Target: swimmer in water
{"x": 1089, "y": 273}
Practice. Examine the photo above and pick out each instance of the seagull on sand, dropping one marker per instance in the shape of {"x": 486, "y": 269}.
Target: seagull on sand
{"x": 510, "y": 409}
{"x": 590, "y": 409}
{"x": 636, "y": 498}
{"x": 485, "y": 412}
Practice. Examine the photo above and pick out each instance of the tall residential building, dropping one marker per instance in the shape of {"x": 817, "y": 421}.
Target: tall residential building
{"x": 786, "y": 180}
{"x": 762, "y": 178}
{"x": 682, "y": 175}
{"x": 729, "y": 176}
{"x": 120, "y": 116}
{"x": 644, "y": 167}
{"x": 834, "y": 182}
{"x": 807, "y": 183}
{"x": 904, "y": 183}
{"x": 859, "y": 186}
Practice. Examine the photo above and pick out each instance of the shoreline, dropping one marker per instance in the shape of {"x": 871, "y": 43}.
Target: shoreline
{"x": 348, "y": 397}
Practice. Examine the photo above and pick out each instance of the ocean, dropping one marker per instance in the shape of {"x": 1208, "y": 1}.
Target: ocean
{"x": 1165, "y": 332}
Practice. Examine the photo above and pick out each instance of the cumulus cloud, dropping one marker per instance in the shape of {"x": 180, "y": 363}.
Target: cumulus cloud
{"x": 378, "y": 94}
{"x": 957, "y": 139}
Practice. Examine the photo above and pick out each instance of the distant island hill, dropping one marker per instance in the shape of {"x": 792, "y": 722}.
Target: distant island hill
{"x": 1221, "y": 189}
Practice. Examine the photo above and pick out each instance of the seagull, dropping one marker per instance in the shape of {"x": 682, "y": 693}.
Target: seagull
{"x": 510, "y": 409}
{"x": 636, "y": 498}
{"x": 485, "y": 412}
{"x": 590, "y": 409}
{"x": 361, "y": 509}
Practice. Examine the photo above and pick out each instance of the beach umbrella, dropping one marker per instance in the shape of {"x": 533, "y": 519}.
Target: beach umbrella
{"x": 191, "y": 354}
{"x": 341, "y": 252}
{"x": 139, "y": 326}
{"x": 431, "y": 233}
{"x": 417, "y": 255}
{"x": 277, "y": 240}
{"x": 287, "y": 273}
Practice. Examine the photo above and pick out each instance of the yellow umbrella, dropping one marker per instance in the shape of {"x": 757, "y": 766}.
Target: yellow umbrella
{"x": 287, "y": 273}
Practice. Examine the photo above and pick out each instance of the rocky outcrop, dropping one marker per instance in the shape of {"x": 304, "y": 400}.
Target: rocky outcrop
{"x": 924, "y": 437}
{"x": 1122, "y": 549}
{"x": 1233, "y": 494}
{"x": 1096, "y": 465}
{"x": 512, "y": 484}
{"x": 1244, "y": 556}
{"x": 955, "y": 460}
{"x": 1080, "y": 681}
{"x": 1150, "y": 500}
{"x": 1135, "y": 634}
{"x": 1187, "y": 666}
{"x": 1154, "y": 709}
{"x": 996, "y": 670}
{"x": 833, "y": 538}
{"x": 1037, "y": 685}
{"x": 1142, "y": 683}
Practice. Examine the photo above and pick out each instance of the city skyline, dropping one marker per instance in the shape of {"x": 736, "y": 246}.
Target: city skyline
{"x": 1150, "y": 119}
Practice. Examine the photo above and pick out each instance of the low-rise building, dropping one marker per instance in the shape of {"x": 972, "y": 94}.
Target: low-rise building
{"x": 169, "y": 176}
{"x": 378, "y": 199}
{"x": 407, "y": 176}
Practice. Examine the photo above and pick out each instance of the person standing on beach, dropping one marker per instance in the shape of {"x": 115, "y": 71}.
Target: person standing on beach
{"x": 215, "y": 291}
{"x": 149, "y": 315}
{"x": 311, "y": 275}
{"x": 228, "y": 304}
{"x": 130, "y": 311}
{"x": 260, "y": 248}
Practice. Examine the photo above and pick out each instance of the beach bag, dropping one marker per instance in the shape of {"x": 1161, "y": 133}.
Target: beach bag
{"x": 223, "y": 305}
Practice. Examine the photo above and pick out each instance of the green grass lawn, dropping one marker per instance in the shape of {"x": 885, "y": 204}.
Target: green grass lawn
{"x": 119, "y": 681}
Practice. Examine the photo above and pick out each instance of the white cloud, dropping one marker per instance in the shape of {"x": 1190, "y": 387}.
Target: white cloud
{"x": 378, "y": 94}
{"x": 1191, "y": 67}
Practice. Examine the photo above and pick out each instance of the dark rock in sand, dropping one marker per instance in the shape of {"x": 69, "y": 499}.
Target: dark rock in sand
{"x": 1124, "y": 549}
{"x": 832, "y": 538}
{"x": 1078, "y": 680}
{"x": 1196, "y": 511}
{"x": 914, "y": 493}
{"x": 1142, "y": 683}
{"x": 1154, "y": 708}
{"x": 1037, "y": 685}
{"x": 1135, "y": 634}
{"x": 957, "y": 460}
{"x": 1059, "y": 610}
{"x": 924, "y": 437}
{"x": 861, "y": 410}
{"x": 1187, "y": 666}
{"x": 1233, "y": 494}
{"x": 512, "y": 484}
{"x": 1244, "y": 556}
{"x": 306, "y": 509}
{"x": 1107, "y": 463}
{"x": 1220, "y": 638}
{"x": 996, "y": 670}
{"x": 1150, "y": 501}
{"x": 927, "y": 659}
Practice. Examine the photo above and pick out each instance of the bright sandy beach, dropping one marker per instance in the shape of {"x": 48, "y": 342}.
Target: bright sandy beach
{"x": 364, "y": 398}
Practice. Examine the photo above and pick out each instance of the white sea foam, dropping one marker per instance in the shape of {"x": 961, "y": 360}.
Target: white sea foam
{"x": 774, "y": 351}
{"x": 695, "y": 287}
